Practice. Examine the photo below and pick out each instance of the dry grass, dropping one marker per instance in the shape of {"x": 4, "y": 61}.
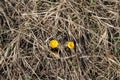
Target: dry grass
{"x": 27, "y": 26}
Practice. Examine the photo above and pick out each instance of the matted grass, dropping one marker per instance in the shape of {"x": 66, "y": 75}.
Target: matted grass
{"x": 27, "y": 26}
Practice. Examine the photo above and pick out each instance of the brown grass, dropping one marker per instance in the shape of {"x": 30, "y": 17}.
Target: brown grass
{"x": 27, "y": 26}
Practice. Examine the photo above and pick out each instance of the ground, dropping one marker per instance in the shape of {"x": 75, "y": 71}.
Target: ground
{"x": 27, "y": 27}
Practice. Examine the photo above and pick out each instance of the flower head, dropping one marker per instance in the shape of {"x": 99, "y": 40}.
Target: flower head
{"x": 70, "y": 44}
{"x": 53, "y": 44}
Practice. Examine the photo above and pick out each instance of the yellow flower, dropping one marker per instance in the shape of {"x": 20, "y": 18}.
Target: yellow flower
{"x": 70, "y": 44}
{"x": 53, "y": 44}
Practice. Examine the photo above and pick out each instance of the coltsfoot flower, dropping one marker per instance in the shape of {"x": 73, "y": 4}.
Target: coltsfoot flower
{"x": 70, "y": 44}
{"x": 53, "y": 43}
